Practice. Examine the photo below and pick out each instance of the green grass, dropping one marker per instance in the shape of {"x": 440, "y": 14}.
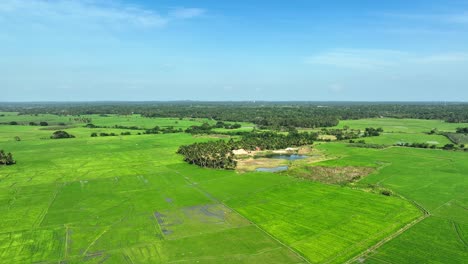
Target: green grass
{"x": 398, "y": 138}
{"x": 436, "y": 180}
{"x": 131, "y": 199}
{"x": 402, "y": 125}
{"x": 112, "y": 120}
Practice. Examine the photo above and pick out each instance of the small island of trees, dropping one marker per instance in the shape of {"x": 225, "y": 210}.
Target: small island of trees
{"x": 61, "y": 134}
{"x": 6, "y": 158}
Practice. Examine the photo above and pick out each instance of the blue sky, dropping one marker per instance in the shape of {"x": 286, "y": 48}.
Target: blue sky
{"x": 367, "y": 50}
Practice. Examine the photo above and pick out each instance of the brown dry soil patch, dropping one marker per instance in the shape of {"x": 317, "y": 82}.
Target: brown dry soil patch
{"x": 334, "y": 175}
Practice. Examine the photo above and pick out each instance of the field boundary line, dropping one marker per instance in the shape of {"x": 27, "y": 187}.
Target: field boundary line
{"x": 65, "y": 254}
{"x": 254, "y": 224}
{"x": 425, "y": 215}
{"x": 95, "y": 240}
{"x": 46, "y": 210}
{"x": 457, "y": 231}
{"x": 224, "y": 256}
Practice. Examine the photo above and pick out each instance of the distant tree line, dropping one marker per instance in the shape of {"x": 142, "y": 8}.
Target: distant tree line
{"x": 15, "y": 123}
{"x": 263, "y": 114}
{"x": 6, "y": 158}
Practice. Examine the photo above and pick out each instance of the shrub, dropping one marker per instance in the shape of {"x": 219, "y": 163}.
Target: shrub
{"x": 386, "y": 192}
{"x": 6, "y": 158}
{"x": 61, "y": 134}
{"x": 448, "y": 146}
{"x": 42, "y": 123}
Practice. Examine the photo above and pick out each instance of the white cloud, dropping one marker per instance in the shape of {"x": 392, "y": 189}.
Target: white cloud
{"x": 374, "y": 59}
{"x": 113, "y": 13}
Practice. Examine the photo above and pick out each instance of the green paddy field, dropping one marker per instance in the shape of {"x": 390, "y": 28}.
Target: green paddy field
{"x": 132, "y": 199}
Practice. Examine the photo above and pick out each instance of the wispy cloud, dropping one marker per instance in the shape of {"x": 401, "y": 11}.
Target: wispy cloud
{"x": 445, "y": 18}
{"x": 186, "y": 13}
{"x": 356, "y": 58}
{"x": 113, "y": 13}
{"x": 374, "y": 59}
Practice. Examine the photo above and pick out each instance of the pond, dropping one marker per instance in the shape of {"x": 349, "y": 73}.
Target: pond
{"x": 274, "y": 169}
{"x": 288, "y": 157}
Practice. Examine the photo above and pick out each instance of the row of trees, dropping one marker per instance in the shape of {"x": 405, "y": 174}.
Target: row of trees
{"x": 112, "y": 134}
{"x": 91, "y": 125}
{"x": 163, "y": 130}
{"x": 6, "y": 158}
{"x": 206, "y": 128}
{"x": 426, "y": 145}
{"x": 42, "y": 123}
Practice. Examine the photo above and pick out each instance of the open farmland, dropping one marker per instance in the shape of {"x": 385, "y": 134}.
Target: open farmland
{"x": 436, "y": 181}
{"x": 132, "y": 199}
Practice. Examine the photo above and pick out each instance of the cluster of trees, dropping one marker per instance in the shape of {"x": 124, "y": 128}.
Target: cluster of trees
{"x": 205, "y": 128}
{"x": 272, "y": 140}
{"x": 163, "y": 130}
{"x": 341, "y": 134}
{"x": 372, "y": 132}
{"x": 218, "y": 154}
{"x": 221, "y": 124}
{"x": 462, "y": 130}
{"x": 6, "y": 158}
{"x": 81, "y": 119}
{"x": 214, "y": 154}
{"x": 61, "y": 134}
{"x": 42, "y": 123}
